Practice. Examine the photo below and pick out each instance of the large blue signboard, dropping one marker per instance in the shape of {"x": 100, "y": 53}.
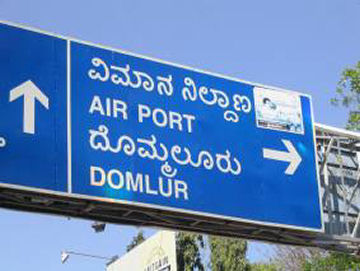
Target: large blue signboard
{"x": 98, "y": 123}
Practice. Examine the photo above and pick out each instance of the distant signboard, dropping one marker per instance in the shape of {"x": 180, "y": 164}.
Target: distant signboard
{"x": 98, "y": 123}
{"x": 158, "y": 253}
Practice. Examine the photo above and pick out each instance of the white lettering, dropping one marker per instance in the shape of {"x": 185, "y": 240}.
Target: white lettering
{"x": 139, "y": 183}
{"x": 93, "y": 180}
{"x": 96, "y": 106}
{"x": 164, "y": 193}
{"x": 157, "y": 119}
{"x": 189, "y": 119}
{"x": 134, "y": 185}
{"x": 144, "y": 111}
{"x": 148, "y": 188}
{"x": 114, "y": 108}
{"x": 181, "y": 187}
{"x": 175, "y": 118}
{"x": 120, "y": 107}
{"x": 163, "y": 118}
{"x": 120, "y": 179}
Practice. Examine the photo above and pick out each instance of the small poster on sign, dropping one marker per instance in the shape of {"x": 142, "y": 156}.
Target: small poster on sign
{"x": 278, "y": 110}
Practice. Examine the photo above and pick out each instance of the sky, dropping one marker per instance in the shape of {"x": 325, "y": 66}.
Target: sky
{"x": 296, "y": 45}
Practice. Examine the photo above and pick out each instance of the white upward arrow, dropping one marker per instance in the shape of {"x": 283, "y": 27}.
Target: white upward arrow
{"x": 291, "y": 156}
{"x": 31, "y": 93}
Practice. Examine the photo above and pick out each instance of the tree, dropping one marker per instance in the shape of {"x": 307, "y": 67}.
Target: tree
{"x": 332, "y": 262}
{"x": 348, "y": 95}
{"x": 188, "y": 251}
{"x": 137, "y": 240}
{"x": 228, "y": 254}
{"x": 293, "y": 258}
{"x": 263, "y": 267}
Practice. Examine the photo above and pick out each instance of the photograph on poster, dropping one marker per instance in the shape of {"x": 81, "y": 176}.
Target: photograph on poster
{"x": 278, "y": 110}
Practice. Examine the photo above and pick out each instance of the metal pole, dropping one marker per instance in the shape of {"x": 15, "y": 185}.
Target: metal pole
{"x": 356, "y": 228}
{"x": 88, "y": 255}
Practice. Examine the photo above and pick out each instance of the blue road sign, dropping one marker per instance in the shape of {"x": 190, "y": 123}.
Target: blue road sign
{"x": 104, "y": 124}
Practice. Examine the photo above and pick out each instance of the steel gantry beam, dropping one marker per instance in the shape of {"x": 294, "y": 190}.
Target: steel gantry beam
{"x": 338, "y": 156}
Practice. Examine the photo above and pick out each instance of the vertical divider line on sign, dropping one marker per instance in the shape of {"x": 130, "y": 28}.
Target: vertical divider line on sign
{"x": 68, "y": 105}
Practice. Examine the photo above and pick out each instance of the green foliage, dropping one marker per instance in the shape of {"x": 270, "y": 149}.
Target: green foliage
{"x": 333, "y": 262}
{"x": 348, "y": 95}
{"x": 263, "y": 267}
{"x": 137, "y": 240}
{"x": 188, "y": 251}
{"x": 228, "y": 254}
{"x": 292, "y": 258}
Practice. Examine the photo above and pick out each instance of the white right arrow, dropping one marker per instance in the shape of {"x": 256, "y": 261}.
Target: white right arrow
{"x": 31, "y": 93}
{"x": 291, "y": 156}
